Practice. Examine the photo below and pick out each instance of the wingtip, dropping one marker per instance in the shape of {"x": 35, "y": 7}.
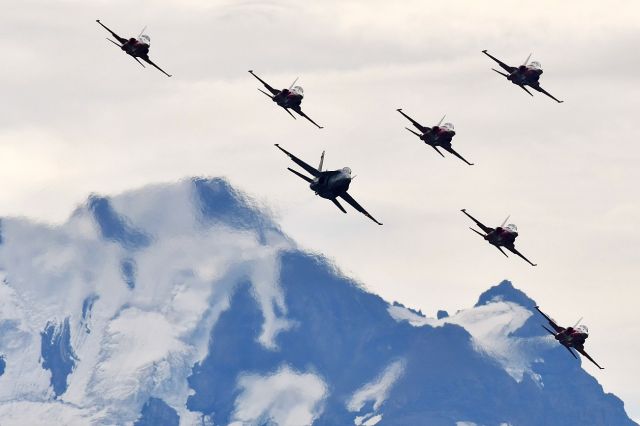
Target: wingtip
{"x": 463, "y": 210}
{"x": 97, "y": 20}
{"x": 484, "y": 51}
{"x": 277, "y": 144}
{"x": 399, "y": 109}
{"x": 251, "y": 71}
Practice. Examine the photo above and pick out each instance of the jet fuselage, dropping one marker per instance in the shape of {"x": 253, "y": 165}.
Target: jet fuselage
{"x": 438, "y": 136}
{"x": 288, "y": 99}
{"x": 331, "y": 184}
{"x": 571, "y": 337}
{"x": 524, "y": 75}
{"x": 135, "y": 47}
{"x": 501, "y": 237}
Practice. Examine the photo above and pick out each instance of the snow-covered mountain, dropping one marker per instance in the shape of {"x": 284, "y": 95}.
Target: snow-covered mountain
{"x": 186, "y": 304}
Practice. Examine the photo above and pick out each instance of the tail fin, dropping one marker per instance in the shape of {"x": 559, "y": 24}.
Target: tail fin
{"x": 505, "y": 222}
{"x": 294, "y": 82}
{"x": 441, "y": 120}
{"x": 321, "y": 161}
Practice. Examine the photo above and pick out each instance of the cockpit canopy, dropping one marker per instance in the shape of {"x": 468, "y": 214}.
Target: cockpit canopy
{"x": 511, "y": 228}
{"x": 346, "y": 171}
{"x": 535, "y": 65}
{"x": 298, "y": 90}
{"x": 143, "y": 38}
{"x": 448, "y": 126}
{"x": 583, "y": 329}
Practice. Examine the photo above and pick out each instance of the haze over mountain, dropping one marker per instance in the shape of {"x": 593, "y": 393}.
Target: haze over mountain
{"x": 187, "y": 304}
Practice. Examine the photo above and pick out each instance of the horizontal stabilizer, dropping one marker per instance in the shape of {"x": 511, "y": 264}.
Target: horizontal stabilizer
{"x": 308, "y": 179}
{"x": 262, "y": 91}
{"x": 338, "y": 205}
{"x": 501, "y": 73}
{"x": 525, "y": 89}
{"x": 289, "y": 112}
{"x": 477, "y": 232}
{"x": 415, "y": 133}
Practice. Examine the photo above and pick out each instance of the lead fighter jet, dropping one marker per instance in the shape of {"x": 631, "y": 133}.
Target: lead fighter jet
{"x": 290, "y": 98}
{"x": 571, "y": 337}
{"x": 502, "y": 236}
{"x": 135, "y": 47}
{"x": 329, "y": 184}
{"x": 524, "y": 75}
{"x": 436, "y": 136}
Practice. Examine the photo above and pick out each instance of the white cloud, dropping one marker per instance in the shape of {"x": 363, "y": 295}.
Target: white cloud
{"x": 378, "y": 389}
{"x": 287, "y": 398}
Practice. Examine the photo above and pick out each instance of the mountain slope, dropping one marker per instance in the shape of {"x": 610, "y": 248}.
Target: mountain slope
{"x": 187, "y": 304}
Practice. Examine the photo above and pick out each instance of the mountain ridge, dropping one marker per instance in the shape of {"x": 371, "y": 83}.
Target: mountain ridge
{"x": 186, "y": 302}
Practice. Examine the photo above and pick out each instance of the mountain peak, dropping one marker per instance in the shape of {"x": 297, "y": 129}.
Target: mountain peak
{"x": 505, "y": 292}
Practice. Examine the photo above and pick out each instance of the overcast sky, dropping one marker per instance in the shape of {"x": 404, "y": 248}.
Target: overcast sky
{"x": 78, "y": 116}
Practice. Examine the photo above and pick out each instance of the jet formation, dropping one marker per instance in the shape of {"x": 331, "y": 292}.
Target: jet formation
{"x": 334, "y": 184}
{"x": 439, "y": 135}
{"x": 527, "y": 74}
{"x": 136, "y": 47}
{"x": 502, "y": 236}
{"x": 570, "y": 337}
{"x": 289, "y": 99}
{"x": 329, "y": 184}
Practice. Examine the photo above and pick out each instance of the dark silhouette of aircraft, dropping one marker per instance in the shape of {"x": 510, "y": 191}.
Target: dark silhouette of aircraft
{"x": 135, "y": 47}
{"x": 436, "y": 136}
{"x": 329, "y": 184}
{"x": 524, "y": 75}
{"x": 502, "y": 236}
{"x": 570, "y": 337}
{"x": 290, "y": 98}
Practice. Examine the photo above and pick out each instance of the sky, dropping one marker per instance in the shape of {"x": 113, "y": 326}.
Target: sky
{"x": 80, "y": 117}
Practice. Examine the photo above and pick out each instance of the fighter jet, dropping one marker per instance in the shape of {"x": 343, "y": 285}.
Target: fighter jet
{"x": 329, "y": 184}
{"x": 502, "y": 236}
{"x": 136, "y": 47}
{"x": 524, "y": 75}
{"x": 290, "y": 98}
{"x": 571, "y": 337}
{"x": 436, "y": 136}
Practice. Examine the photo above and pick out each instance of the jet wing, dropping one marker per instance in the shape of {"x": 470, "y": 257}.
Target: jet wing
{"x": 555, "y": 326}
{"x": 299, "y": 162}
{"x": 586, "y": 355}
{"x": 486, "y": 229}
{"x": 116, "y": 36}
{"x": 349, "y": 199}
{"x": 269, "y": 88}
{"x": 299, "y": 111}
{"x": 147, "y": 60}
{"x": 450, "y": 150}
{"x": 513, "y": 250}
{"x": 504, "y": 66}
{"x": 417, "y": 125}
{"x": 541, "y": 90}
